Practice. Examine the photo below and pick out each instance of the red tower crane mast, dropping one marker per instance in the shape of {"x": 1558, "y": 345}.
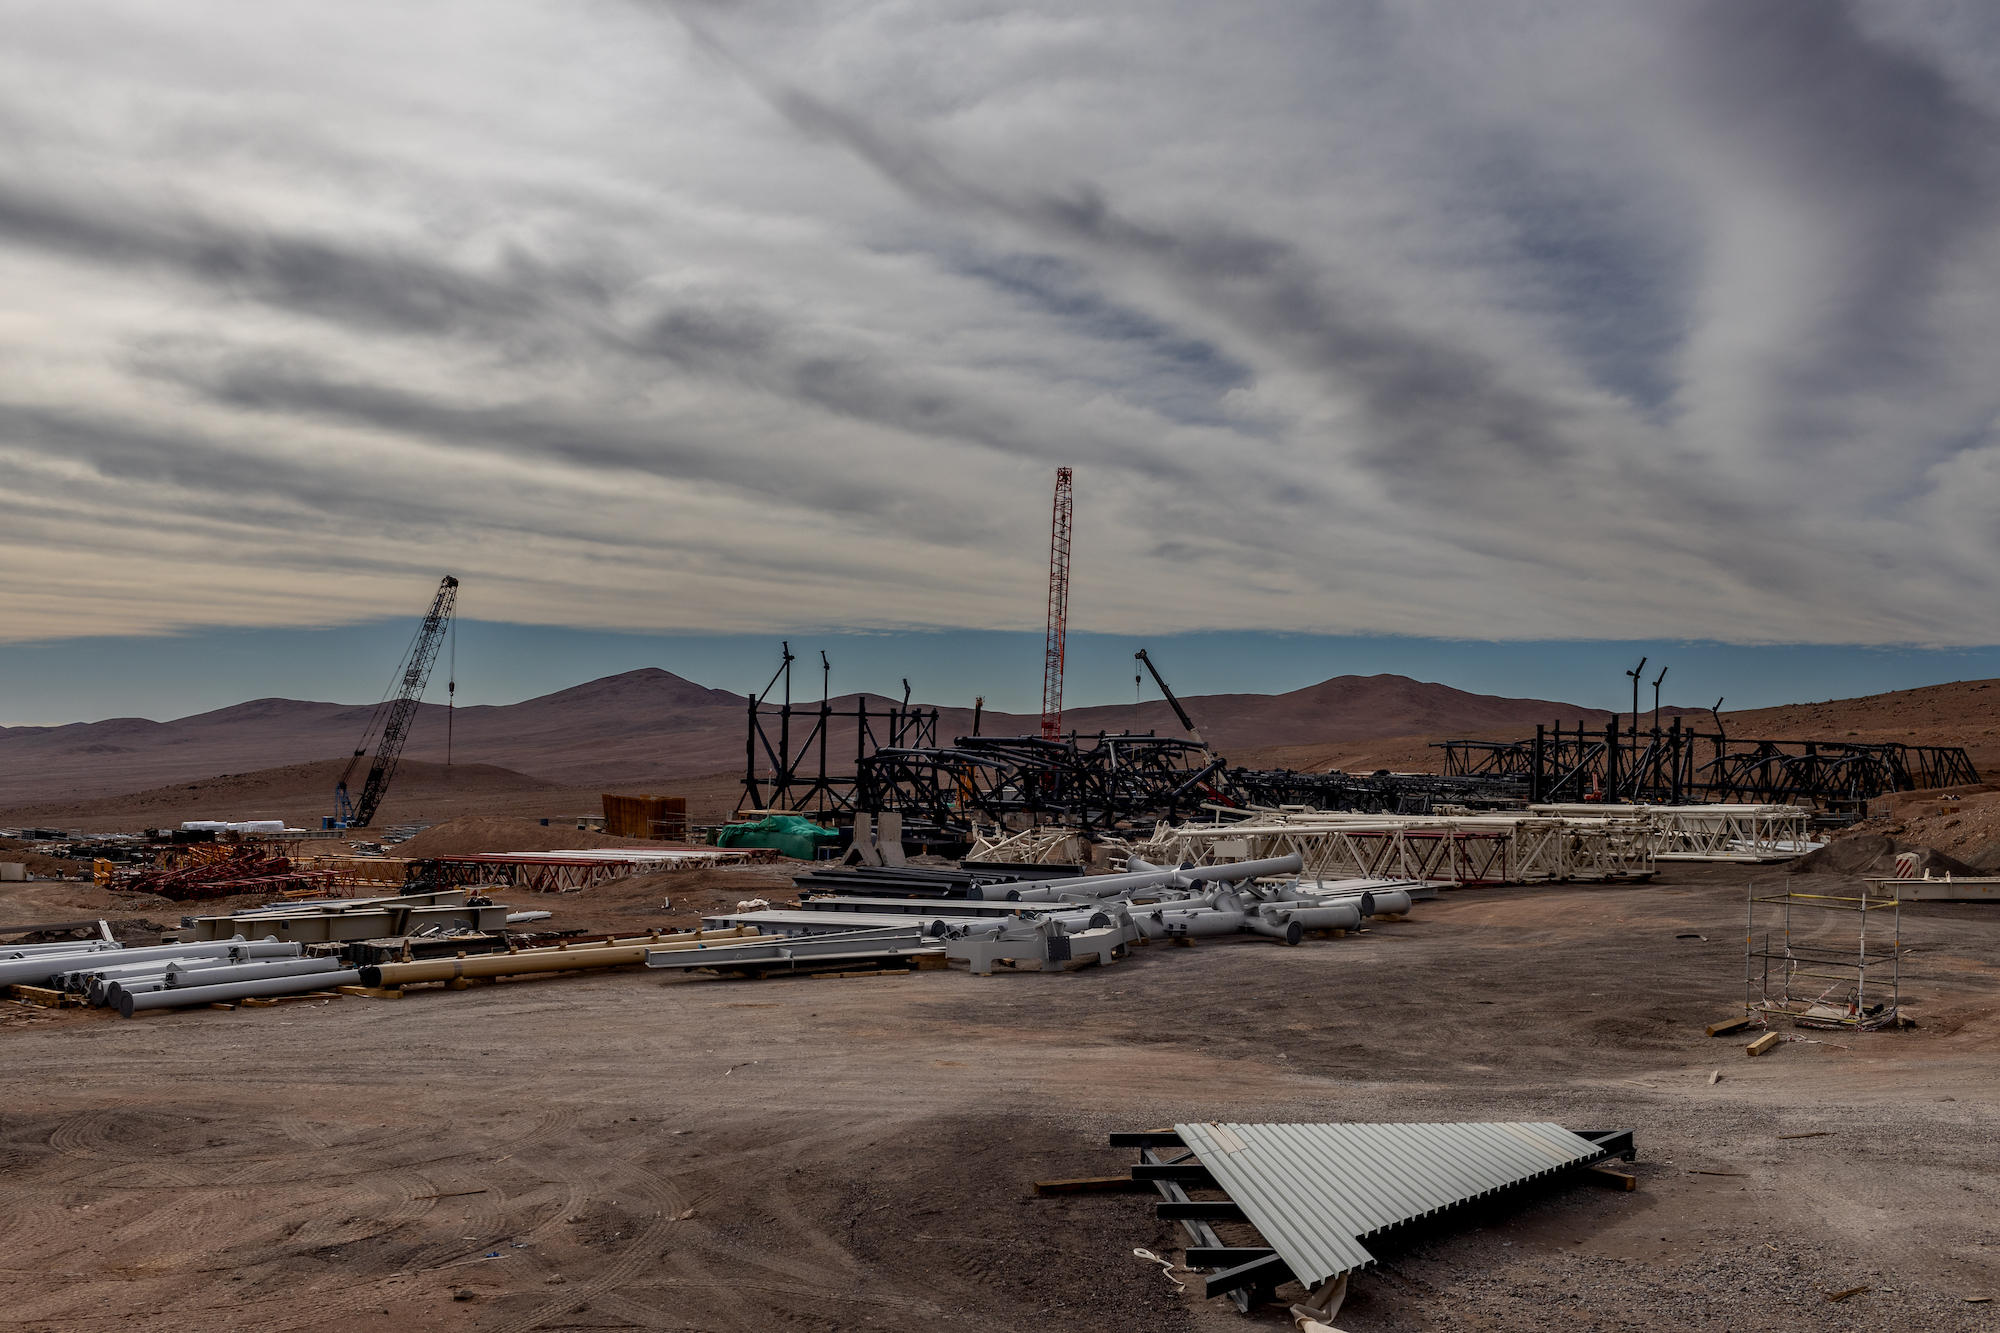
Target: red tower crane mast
{"x": 1052, "y": 660}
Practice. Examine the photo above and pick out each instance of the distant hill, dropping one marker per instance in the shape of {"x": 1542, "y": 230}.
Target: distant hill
{"x": 650, "y": 729}
{"x": 651, "y": 724}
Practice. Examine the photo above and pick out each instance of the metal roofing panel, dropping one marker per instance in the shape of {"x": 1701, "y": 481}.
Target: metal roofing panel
{"x": 1317, "y": 1191}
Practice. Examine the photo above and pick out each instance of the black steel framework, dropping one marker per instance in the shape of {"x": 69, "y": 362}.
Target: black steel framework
{"x": 1090, "y": 782}
{"x": 795, "y": 776}
{"x": 1676, "y": 765}
{"x": 1373, "y": 794}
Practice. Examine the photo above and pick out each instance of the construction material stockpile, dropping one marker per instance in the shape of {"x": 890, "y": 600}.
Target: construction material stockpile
{"x": 982, "y": 919}
{"x": 219, "y": 870}
{"x": 167, "y": 976}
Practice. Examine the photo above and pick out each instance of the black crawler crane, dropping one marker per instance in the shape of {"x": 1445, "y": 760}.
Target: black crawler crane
{"x": 394, "y": 715}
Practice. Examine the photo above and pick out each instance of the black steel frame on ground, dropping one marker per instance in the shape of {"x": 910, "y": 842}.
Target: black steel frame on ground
{"x": 1676, "y": 765}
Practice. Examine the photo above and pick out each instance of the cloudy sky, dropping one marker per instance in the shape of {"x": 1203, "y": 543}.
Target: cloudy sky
{"x": 1492, "y": 319}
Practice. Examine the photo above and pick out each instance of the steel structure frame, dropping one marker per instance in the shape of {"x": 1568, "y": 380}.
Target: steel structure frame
{"x": 1086, "y": 782}
{"x": 798, "y": 778}
{"x": 1471, "y": 850}
{"x": 1800, "y": 958}
{"x": 1749, "y": 833}
{"x": 1375, "y": 794}
{"x": 1675, "y": 765}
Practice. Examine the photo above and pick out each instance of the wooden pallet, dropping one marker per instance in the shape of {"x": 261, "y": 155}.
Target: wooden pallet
{"x": 45, "y": 998}
{"x": 255, "y": 1002}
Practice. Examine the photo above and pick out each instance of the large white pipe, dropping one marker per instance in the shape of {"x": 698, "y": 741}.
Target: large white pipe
{"x": 79, "y": 977}
{"x": 1341, "y": 917}
{"x": 187, "y": 979}
{"x": 183, "y": 996}
{"x": 37, "y": 971}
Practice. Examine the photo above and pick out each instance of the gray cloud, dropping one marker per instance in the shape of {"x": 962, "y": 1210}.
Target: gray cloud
{"x": 1529, "y": 318}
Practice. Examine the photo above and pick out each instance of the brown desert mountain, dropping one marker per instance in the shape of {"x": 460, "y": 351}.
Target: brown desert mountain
{"x": 651, "y": 726}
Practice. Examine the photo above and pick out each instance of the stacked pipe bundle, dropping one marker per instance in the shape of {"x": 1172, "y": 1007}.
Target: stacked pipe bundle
{"x": 168, "y": 976}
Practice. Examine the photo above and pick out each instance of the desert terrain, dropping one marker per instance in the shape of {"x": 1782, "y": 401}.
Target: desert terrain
{"x": 614, "y": 1150}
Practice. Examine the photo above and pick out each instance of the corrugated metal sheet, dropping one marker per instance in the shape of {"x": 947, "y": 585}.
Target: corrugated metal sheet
{"x": 1317, "y": 1191}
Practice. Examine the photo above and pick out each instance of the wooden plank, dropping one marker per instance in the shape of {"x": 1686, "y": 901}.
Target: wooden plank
{"x": 1809, "y": 1134}
{"x": 372, "y": 992}
{"x": 1617, "y": 1180}
{"x": 1763, "y": 1043}
{"x": 266, "y": 1002}
{"x": 46, "y": 998}
{"x": 1728, "y": 1025}
{"x": 1837, "y": 1296}
{"x": 843, "y": 976}
{"x": 1088, "y": 1185}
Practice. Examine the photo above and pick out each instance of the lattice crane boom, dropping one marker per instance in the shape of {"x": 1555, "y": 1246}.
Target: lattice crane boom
{"x": 396, "y": 714}
{"x": 1052, "y": 659}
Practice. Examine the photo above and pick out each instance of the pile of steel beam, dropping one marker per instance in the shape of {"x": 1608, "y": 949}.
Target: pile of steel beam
{"x": 974, "y": 883}
{"x": 338, "y": 920}
{"x": 571, "y": 871}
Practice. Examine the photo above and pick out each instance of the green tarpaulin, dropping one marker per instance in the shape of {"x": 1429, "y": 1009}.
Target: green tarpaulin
{"x": 794, "y": 835}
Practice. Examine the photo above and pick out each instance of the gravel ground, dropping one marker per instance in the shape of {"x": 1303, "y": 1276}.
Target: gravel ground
{"x": 615, "y": 1150}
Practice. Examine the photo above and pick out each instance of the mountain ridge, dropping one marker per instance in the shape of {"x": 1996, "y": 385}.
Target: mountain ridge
{"x": 650, "y": 723}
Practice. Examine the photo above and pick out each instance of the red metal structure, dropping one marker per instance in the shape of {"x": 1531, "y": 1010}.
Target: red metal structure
{"x": 1052, "y": 662}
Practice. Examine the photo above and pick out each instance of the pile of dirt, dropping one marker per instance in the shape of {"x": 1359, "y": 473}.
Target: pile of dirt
{"x": 1962, "y": 824}
{"x": 1874, "y": 854}
{"x": 472, "y": 834}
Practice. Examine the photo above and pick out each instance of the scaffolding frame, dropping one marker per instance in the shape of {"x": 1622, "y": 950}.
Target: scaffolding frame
{"x": 1844, "y": 970}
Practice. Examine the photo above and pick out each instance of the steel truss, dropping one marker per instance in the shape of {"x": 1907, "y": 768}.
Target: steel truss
{"x": 1676, "y": 765}
{"x": 1478, "y": 849}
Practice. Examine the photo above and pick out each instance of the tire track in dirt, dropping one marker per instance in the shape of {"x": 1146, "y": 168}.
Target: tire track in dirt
{"x": 641, "y": 1251}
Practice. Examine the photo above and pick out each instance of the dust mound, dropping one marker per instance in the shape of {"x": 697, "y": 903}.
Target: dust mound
{"x": 473, "y": 834}
{"x": 1873, "y": 854}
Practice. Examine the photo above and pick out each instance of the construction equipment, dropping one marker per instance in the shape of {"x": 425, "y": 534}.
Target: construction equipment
{"x": 1172, "y": 702}
{"x": 394, "y": 715}
{"x": 1052, "y": 657}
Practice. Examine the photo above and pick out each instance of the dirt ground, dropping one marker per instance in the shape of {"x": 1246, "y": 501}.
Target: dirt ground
{"x": 617, "y": 1150}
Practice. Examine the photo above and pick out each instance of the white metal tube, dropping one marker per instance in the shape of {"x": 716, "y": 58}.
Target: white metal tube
{"x": 180, "y": 979}
{"x": 37, "y": 971}
{"x": 79, "y": 977}
{"x": 182, "y": 996}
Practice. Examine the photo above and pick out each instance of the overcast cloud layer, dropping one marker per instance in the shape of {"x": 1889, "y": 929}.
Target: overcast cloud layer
{"x": 1488, "y": 319}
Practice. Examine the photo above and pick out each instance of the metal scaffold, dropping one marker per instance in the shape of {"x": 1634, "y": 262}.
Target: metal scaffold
{"x": 1815, "y": 979}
